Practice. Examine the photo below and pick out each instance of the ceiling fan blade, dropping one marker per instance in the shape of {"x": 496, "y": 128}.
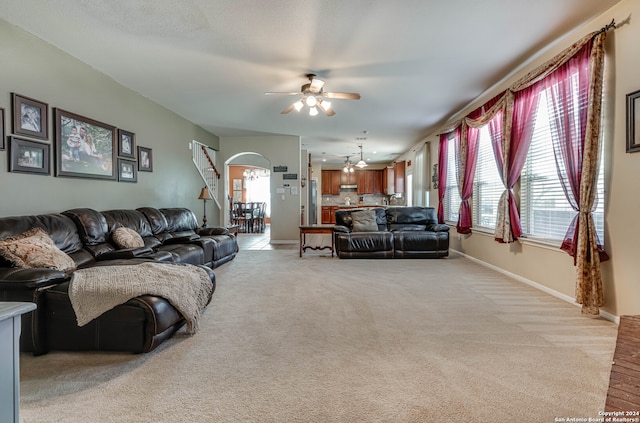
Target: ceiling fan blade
{"x": 280, "y": 93}
{"x": 342, "y": 96}
{"x": 288, "y": 109}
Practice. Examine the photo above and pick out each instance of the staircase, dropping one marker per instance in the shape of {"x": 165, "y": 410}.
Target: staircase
{"x": 204, "y": 158}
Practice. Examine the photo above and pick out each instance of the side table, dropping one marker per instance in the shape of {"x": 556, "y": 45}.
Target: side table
{"x": 316, "y": 229}
{"x": 233, "y": 229}
{"x": 10, "y": 313}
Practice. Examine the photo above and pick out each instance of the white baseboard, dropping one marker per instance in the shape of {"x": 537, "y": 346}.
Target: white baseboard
{"x": 284, "y": 241}
{"x": 560, "y": 295}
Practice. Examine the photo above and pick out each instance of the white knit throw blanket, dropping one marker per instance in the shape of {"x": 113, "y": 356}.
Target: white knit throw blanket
{"x": 95, "y": 290}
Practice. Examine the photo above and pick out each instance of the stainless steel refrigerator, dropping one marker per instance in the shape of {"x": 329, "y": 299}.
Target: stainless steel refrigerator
{"x": 313, "y": 201}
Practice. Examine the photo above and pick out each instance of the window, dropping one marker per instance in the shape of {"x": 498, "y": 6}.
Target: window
{"x": 544, "y": 210}
{"x": 487, "y": 185}
{"x": 451, "y": 200}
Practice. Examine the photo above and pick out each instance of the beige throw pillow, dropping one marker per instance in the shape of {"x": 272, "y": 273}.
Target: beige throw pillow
{"x": 33, "y": 249}
{"x": 127, "y": 238}
{"x": 364, "y": 221}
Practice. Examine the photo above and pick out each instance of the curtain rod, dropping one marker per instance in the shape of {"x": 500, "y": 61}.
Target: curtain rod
{"x": 607, "y": 27}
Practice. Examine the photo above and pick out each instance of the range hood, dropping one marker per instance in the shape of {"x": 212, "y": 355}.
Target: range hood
{"x": 349, "y": 186}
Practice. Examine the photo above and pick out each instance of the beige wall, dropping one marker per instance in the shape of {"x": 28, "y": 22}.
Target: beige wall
{"x": 551, "y": 267}
{"x": 278, "y": 150}
{"x": 37, "y": 70}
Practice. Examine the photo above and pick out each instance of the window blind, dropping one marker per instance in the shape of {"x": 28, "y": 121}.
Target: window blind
{"x": 487, "y": 185}
{"x": 545, "y": 212}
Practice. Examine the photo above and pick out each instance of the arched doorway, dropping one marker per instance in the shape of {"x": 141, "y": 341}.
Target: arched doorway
{"x": 248, "y": 180}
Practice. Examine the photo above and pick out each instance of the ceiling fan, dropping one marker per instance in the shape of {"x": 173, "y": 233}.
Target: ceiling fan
{"x": 315, "y": 97}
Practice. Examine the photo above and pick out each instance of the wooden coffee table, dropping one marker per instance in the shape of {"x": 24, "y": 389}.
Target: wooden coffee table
{"x": 316, "y": 229}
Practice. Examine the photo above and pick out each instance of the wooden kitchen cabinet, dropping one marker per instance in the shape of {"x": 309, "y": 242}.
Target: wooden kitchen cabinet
{"x": 398, "y": 175}
{"x": 347, "y": 178}
{"x": 369, "y": 181}
{"x": 331, "y": 182}
{"x": 388, "y": 181}
{"x": 377, "y": 185}
{"x": 326, "y": 214}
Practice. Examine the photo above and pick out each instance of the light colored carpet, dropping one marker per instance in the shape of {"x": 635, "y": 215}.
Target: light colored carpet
{"x": 317, "y": 339}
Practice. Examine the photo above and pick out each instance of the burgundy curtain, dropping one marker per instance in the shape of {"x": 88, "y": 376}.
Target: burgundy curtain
{"x": 467, "y": 155}
{"x": 568, "y": 119}
{"x": 512, "y": 161}
{"x": 442, "y": 175}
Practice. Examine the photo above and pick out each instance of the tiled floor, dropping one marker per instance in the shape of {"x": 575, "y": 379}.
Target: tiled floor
{"x": 260, "y": 241}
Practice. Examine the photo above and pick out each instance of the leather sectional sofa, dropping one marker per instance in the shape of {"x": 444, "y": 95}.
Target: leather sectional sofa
{"x": 85, "y": 235}
{"x": 390, "y": 232}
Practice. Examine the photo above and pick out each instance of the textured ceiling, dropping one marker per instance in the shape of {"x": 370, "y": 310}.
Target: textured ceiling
{"x": 414, "y": 62}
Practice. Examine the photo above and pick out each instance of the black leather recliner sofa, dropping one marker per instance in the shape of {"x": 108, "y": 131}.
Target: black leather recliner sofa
{"x": 399, "y": 232}
{"x": 137, "y": 326}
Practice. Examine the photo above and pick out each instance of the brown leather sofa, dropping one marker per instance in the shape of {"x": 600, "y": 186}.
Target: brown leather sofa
{"x": 401, "y": 232}
{"x": 140, "y": 324}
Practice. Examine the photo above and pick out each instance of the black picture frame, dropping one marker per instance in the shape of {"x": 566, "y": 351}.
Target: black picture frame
{"x": 126, "y": 144}
{"x": 145, "y": 159}
{"x": 27, "y": 156}
{"x": 633, "y": 122}
{"x": 85, "y": 148}
{"x": 3, "y": 144}
{"x": 127, "y": 170}
{"x": 30, "y": 117}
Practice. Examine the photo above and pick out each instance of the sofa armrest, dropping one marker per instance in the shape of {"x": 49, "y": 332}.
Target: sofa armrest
{"x": 217, "y": 230}
{"x": 126, "y": 253}
{"x": 341, "y": 229}
{"x": 13, "y": 278}
{"x": 438, "y": 227}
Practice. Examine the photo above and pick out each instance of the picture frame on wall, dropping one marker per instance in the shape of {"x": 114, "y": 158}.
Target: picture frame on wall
{"x": 3, "y": 144}
{"x": 85, "y": 148}
{"x": 126, "y": 144}
{"x": 145, "y": 159}
{"x": 127, "y": 171}
{"x": 30, "y": 117}
{"x": 633, "y": 122}
{"x": 26, "y": 156}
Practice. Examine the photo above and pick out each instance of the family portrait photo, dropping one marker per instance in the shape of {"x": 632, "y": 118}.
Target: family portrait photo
{"x": 85, "y": 147}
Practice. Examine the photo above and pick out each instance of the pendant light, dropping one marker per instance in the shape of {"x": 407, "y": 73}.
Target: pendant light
{"x": 361, "y": 164}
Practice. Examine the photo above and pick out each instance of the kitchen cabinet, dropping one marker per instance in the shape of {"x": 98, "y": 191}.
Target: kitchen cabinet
{"x": 326, "y": 214}
{"x": 347, "y": 178}
{"x": 398, "y": 175}
{"x": 377, "y": 182}
{"x": 388, "y": 181}
{"x": 331, "y": 182}
{"x": 369, "y": 181}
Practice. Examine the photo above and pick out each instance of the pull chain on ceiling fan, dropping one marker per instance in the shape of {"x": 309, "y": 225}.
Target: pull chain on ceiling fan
{"x": 314, "y": 97}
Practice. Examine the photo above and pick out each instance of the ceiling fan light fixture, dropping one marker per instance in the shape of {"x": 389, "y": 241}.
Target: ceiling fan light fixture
{"x": 311, "y": 101}
{"x": 298, "y": 105}
{"x": 316, "y": 85}
{"x": 326, "y": 105}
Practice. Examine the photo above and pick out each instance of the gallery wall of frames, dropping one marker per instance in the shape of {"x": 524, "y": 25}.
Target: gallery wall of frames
{"x": 80, "y": 147}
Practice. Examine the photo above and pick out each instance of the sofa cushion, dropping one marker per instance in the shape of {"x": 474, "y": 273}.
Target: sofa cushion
{"x": 364, "y": 221}
{"x": 127, "y": 238}
{"x": 35, "y": 249}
